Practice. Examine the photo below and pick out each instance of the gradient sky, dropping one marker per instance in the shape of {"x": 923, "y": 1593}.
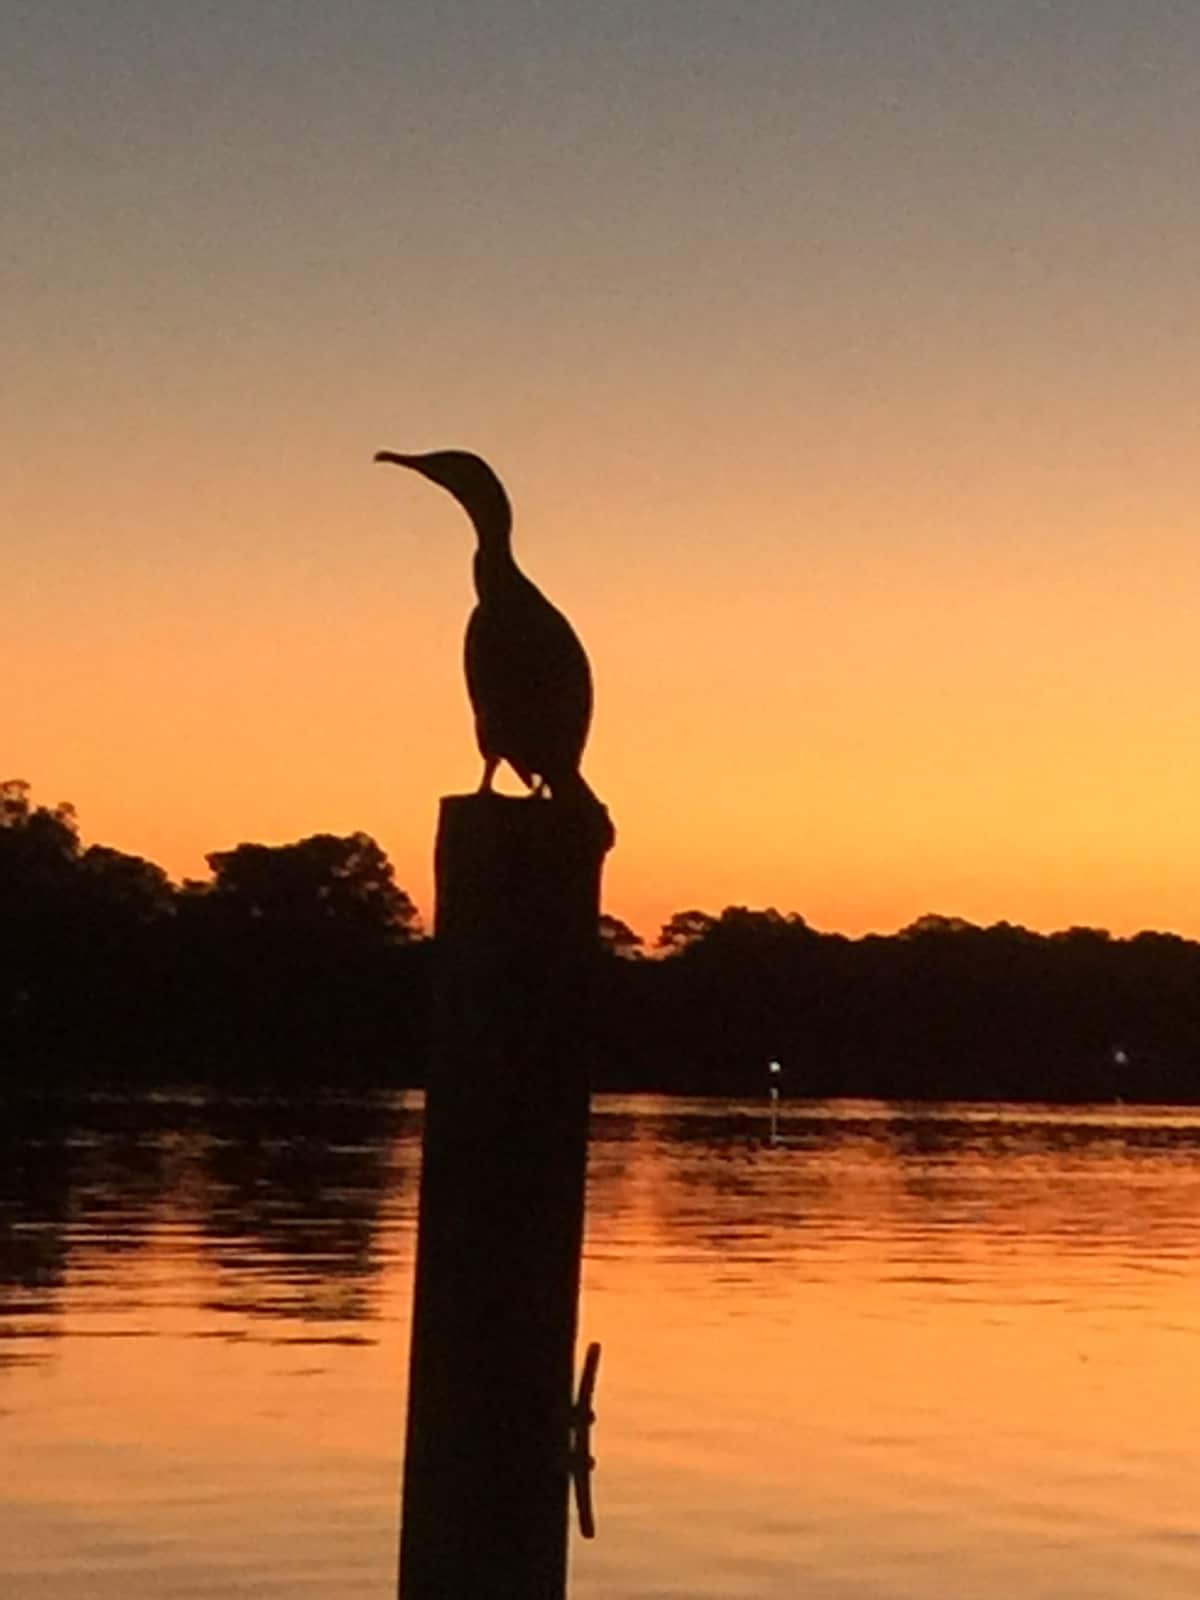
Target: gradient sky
{"x": 842, "y": 361}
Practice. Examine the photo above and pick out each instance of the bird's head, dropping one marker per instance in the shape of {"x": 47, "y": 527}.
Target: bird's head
{"x": 470, "y": 480}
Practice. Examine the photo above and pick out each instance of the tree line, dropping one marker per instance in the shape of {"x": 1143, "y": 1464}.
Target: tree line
{"x": 307, "y": 960}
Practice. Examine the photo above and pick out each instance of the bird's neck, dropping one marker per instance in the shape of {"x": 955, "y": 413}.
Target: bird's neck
{"x": 494, "y": 564}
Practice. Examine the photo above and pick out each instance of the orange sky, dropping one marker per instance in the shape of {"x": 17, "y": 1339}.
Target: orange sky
{"x": 843, "y": 378}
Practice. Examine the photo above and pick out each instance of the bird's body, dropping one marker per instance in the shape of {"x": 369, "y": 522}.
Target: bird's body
{"x": 527, "y": 673}
{"x": 527, "y": 678}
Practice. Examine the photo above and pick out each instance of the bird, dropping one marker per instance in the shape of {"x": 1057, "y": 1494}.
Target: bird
{"x": 528, "y": 677}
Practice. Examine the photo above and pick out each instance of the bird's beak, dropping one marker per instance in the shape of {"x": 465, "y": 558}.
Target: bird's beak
{"x": 396, "y": 460}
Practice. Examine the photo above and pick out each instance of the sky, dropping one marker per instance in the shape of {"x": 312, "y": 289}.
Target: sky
{"x": 841, "y": 361}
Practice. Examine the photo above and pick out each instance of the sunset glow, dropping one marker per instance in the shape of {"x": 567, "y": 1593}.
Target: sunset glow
{"x": 841, "y": 367}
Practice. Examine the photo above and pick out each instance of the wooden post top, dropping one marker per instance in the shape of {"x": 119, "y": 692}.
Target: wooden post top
{"x": 577, "y": 822}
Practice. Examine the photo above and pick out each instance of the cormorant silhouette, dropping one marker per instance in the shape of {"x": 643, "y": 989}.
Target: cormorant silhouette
{"x": 527, "y": 673}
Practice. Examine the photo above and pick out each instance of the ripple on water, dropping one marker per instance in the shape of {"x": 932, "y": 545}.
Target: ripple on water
{"x": 905, "y": 1353}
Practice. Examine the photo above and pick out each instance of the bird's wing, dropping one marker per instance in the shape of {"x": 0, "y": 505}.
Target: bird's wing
{"x": 529, "y": 681}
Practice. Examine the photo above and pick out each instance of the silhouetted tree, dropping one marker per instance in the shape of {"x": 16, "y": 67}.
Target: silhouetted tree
{"x": 299, "y": 952}
{"x": 317, "y": 883}
{"x": 39, "y": 853}
{"x": 80, "y": 963}
{"x": 932, "y": 923}
{"x": 619, "y": 939}
{"x": 683, "y": 929}
{"x": 306, "y": 959}
{"x": 125, "y": 885}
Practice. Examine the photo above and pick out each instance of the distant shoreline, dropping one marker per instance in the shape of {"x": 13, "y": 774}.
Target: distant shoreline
{"x": 305, "y": 963}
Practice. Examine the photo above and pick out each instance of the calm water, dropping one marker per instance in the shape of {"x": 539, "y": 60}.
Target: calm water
{"x": 908, "y": 1354}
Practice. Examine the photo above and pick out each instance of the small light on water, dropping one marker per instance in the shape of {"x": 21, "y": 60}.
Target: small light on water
{"x": 776, "y": 1072}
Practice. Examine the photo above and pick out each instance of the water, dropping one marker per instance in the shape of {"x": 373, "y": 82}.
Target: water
{"x": 908, "y": 1353}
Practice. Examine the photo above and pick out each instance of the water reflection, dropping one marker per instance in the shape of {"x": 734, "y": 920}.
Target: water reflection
{"x": 905, "y": 1349}
{"x": 1075, "y": 1180}
{"x": 283, "y": 1199}
{"x": 290, "y": 1207}
{"x": 286, "y": 1199}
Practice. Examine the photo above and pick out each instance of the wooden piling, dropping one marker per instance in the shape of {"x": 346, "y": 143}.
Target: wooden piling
{"x": 501, "y": 1211}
